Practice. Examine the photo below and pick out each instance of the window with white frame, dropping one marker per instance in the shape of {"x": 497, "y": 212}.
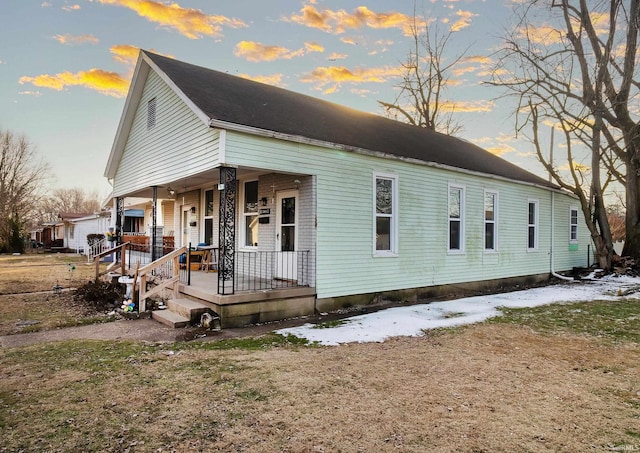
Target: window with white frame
{"x": 456, "y": 218}
{"x": 532, "y": 225}
{"x": 490, "y": 221}
{"x": 573, "y": 224}
{"x": 250, "y": 214}
{"x": 386, "y": 214}
{"x": 208, "y": 216}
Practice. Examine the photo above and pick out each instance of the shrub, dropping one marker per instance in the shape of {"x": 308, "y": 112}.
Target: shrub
{"x": 100, "y": 295}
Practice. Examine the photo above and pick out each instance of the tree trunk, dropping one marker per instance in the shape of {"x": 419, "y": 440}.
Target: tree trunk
{"x": 632, "y": 223}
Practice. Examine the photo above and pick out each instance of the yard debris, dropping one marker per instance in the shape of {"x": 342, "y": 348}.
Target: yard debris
{"x": 625, "y": 265}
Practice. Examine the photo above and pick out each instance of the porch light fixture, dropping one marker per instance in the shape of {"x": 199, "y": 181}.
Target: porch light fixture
{"x": 171, "y": 192}
{"x": 263, "y": 201}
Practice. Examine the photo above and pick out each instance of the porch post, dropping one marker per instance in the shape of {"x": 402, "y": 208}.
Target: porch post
{"x": 154, "y": 223}
{"x": 227, "y": 230}
{"x": 119, "y": 217}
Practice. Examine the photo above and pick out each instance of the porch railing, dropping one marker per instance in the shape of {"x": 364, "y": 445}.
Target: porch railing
{"x": 164, "y": 273}
{"x": 259, "y": 271}
{"x": 97, "y": 248}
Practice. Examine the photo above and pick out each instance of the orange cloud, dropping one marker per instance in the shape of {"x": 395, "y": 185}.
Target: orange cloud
{"x": 189, "y": 22}
{"x": 468, "y": 106}
{"x": 349, "y": 41}
{"x": 255, "y": 51}
{"x": 339, "y": 21}
{"x": 464, "y": 20}
{"x": 124, "y": 53}
{"x": 70, "y": 7}
{"x": 543, "y": 34}
{"x": 337, "y": 56}
{"x": 335, "y": 76}
{"x": 275, "y": 79}
{"x": 313, "y": 47}
{"x": 105, "y": 82}
{"x": 75, "y": 40}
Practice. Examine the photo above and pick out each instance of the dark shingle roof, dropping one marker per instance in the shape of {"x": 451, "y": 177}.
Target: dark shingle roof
{"x": 236, "y": 100}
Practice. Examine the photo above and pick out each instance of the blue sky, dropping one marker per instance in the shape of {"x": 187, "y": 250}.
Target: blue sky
{"x": 65, "y": 65}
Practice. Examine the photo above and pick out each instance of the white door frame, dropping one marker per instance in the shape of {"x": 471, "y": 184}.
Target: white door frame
{"x": 287, "y": 262}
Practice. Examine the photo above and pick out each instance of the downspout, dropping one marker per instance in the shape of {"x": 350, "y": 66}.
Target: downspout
{"x": 553, "y": 227}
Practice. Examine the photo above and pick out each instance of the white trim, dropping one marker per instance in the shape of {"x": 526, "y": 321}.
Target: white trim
{"x": 243, "y": 238}
{"x": 494, "y": 221}
{"x": 222, "y": 146}
{"x": 462, "y": 189}
{"x": 393, "y": 234}
{"x": 577, "y": 224}
{"x": 535, "y": 225}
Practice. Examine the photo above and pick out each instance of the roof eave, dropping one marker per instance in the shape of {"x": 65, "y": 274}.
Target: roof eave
{"x": 339, "y": 146}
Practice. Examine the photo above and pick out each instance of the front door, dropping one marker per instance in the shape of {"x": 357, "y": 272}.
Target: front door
{"x": 286, "y": 235}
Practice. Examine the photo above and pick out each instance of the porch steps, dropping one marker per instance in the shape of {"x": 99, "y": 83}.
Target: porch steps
{"x": 179, "y": 312}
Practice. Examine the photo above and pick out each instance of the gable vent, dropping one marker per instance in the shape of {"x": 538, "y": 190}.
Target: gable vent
{"x": 151, "y": 113}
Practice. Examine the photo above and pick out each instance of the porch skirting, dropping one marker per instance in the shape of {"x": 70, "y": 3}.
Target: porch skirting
{"x": 244, "y": 309}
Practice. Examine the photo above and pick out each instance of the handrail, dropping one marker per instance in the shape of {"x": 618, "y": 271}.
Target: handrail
{"x": 123, "y": 247}
{"x": 143, "y": 294}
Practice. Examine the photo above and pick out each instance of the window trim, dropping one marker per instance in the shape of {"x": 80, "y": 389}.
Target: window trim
{"x": 393, "y": 239}
{"x": 573, "y": 240}
{"x": 535, "y": 224}
{"x": 243, "y": 217}
{"x": 494, "y": 221}
{"x": 462, "y": 189}
{"x": 206, "y": 217}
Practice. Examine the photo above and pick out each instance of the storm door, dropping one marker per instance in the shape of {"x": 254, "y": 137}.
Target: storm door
{"x": 287, "y": 235}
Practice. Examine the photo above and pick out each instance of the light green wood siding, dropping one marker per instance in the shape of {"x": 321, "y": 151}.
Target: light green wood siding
{"x": 344, "y": 232}
{"x": 179, "y": 144}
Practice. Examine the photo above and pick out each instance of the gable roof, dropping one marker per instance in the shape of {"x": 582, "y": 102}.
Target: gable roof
{"x": 228, "y": 101}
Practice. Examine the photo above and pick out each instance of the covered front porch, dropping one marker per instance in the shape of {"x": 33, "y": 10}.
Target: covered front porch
{"x": 256, "y": 230}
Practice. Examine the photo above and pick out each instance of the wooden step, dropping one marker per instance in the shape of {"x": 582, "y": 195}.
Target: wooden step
{"x": 187, "y": 308}
{"x": 170, "y": 318}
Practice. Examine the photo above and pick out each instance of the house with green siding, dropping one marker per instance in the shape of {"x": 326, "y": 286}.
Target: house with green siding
{"x": 309, "y": 206}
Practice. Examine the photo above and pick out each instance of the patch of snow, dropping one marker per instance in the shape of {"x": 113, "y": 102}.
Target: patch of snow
{"x": 414, "y": 319}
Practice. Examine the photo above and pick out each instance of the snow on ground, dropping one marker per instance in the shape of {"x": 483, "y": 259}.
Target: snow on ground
{"x": 412, "y": 320}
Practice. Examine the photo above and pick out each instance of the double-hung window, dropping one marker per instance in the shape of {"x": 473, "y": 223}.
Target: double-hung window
{"x": 250, "y": 213}
{"x": 208, "y": 216}
{"x": 386, "y": 214}
{"x": 573, "y": 225}
{"x": 456, "y": 218}
{"x": 532, "y": 225}
{"x": 490, "y": 221}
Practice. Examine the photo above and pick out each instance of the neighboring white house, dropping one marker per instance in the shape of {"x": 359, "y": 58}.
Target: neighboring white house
{"x": 77, "y": 229}
{"x": 351, "y": 205}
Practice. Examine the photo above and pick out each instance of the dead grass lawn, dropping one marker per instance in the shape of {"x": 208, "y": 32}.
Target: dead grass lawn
{"x": 27, "y": 302}
{"x": 485, "y": 388}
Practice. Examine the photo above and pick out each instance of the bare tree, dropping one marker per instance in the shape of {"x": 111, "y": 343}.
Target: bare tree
{"x": 75, "y": 200}
{"x": 577, "y": 72}
{"x": 426, "y": 73}
{"x": 22, "y": 175}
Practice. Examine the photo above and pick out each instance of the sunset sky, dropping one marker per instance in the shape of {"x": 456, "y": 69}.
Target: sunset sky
{"x": 65, "y": 66}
